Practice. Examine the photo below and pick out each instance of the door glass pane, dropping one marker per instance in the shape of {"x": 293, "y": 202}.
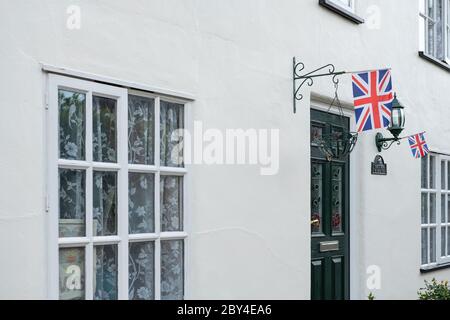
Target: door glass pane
{"x": 336, "y": 199}
{"x": 171, "y": 200}
{"x": 141, "y": 203}
{"x": 141, "y": 276}
{"x": 105, "y": 272}
{"x": 424, "y": 174}
{"x": 71, "y": 274}
{"x": 443, "y": 242}
{"x": 72, "y": 125}
{"x": 316, "y": 198}
{"x": 424, "y": 246}
{"x": 432, "y": 208}
{"x": 172, "y": 270}
{"x": 141, "y": 130}
{"x": 72, "y": 203}
{"x": 424, "y": 208}
{"x": 432, "y": 245}
{"x": 171, "y": 119}
{"x": 432, "y": 172}
{"x": 337, "y": 146}
{"x": 316, "y": 135}
{"x": 105, "y": 203}
{"x": 104, "y": 129}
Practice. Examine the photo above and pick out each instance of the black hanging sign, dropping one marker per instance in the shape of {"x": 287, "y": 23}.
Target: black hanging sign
{"x": 379, "y": 168}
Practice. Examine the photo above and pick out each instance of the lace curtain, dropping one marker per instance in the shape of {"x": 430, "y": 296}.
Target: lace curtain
{"x": 141, "y": 196}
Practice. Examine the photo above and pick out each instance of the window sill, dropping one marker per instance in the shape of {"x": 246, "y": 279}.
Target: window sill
{"x": 434, "y": 61}
{"x": 435, "y": 268}
{"x": 341, "y": 11}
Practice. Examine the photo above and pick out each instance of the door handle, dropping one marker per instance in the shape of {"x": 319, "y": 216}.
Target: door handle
{"x": 315, "y": 221}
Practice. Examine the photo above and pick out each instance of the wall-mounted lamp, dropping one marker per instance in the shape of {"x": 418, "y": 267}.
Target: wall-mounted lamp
{"x": 396, "y": 127}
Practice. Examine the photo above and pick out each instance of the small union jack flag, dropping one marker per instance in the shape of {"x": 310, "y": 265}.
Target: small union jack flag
{"x": 418, "y": 145}
{"x": 372, "y": 93}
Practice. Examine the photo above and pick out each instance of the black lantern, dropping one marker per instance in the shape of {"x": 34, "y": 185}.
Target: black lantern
{"x": 396, "y": 127}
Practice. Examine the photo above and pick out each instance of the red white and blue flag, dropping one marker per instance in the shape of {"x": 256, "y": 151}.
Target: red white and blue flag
{"x": 373, "y": 96}
{"x": 419, "y": 146}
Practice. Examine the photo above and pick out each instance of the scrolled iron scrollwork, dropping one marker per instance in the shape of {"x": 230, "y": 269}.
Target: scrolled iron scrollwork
{"x": 386, "y": 145}
{"x": 301, "y": 79}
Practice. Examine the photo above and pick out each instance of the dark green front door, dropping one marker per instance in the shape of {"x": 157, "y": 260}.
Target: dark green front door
{"x": 329, "y": 214}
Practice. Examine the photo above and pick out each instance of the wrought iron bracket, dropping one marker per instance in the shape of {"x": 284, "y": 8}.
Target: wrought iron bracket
{"x": 385, "y": 143}
{"x": 300, "y": 78}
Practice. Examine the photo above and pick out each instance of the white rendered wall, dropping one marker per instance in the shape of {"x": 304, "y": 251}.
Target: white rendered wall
{"x": 250, "y": 235}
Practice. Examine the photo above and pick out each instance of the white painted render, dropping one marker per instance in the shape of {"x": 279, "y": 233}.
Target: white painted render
{"x": 249, "y": 234}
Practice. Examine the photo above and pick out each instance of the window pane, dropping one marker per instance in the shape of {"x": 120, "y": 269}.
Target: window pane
{"x": 448, "y": 242}
{"x": 432, "y": 208}
{"x": 141, "y": 202}
{"x": 171, "y": 200}
{"x": 105, "y": 271}
{"x": 72, "y": 125}
{"x": 443, "y": 206}
{"x": 141, "y": 277}
{"x": 448, "y": 208}
{"x": 430, "y": 11}
{"x": 443, "y": 241}
{"x": 104, "y": 129}
{"x": 432, "y": 245}
{"x": 424, "y": 246}
{"x": 443, "y": 175}
{"x": 344, "y": 3}
{"x": 448, "y": 42}
{"x": 430, "y": 32}
{"x": 448, "y": 173}
{"x": 172, "y": 119}
{"x": 141, "y": 130}
{"x": 172, "y": 270}
{"x": 71, "y": 274}
{"x": 105, "y": 203}
{"x": 424, "y": 173}
{"x": 316, "y": 198}
{"x": 72, "y": 203}
{"x": 336, "y": 198}
{"x": 440, "y": 28}
{"x": 424, "y": 208}
{"x": 432, "y": 172}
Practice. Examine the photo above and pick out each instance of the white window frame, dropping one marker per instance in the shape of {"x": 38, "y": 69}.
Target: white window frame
{"x": 423, "y": 28}
{"x": 439, "y": 190}
{"x": 122, "y": 239}
{"x": 350, "y": 7}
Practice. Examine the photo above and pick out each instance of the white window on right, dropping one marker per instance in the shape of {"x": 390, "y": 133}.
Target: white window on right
{"x": 346, "y": 4}
{"x": 435, "y": 210}
{"x": 434, "y": 20}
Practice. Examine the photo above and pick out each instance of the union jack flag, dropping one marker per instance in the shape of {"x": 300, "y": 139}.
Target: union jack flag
{"x": 372, "y": 93}
{"x": 418, "y": 145}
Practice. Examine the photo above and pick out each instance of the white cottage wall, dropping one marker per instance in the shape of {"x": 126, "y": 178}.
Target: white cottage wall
{"x": 249, "y": 234}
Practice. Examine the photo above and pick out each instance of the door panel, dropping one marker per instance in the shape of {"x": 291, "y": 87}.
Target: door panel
{"x": 317, "y": 280}
{"x": 329, "y": 214}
